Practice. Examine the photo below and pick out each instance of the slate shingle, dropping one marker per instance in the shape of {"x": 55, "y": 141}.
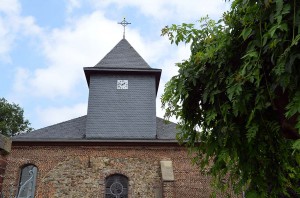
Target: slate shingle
{"x": 123, "y": 55}
{"x": 75, "y": 130}
{"x": 71, "y": 129}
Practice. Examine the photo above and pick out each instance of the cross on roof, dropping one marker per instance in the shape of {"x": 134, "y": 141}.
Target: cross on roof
{"x": 124, "y": 23}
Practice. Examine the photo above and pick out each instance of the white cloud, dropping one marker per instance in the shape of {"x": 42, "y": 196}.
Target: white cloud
{"x": 28, "y": 27}
{"x": 9, "y": 6}
{"x": 8, "y": 12}
{"x": 169, "y": 70}
{"x": 53, "y": 115}
{"x": 182, "y": 52}
{"x": 72, "y": 4}
{"x": 82, "y": 43}
{"x": 5, "y": 42}
{"x": 13, "y": 25}
{"x": 175, "y": 10}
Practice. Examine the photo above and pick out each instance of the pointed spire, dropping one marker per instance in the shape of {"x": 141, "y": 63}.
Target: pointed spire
{"x": 124, "y": 23}
{"x": 123, "y": 55}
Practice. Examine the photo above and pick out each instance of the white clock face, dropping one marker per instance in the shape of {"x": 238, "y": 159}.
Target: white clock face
{"x": 122, "y": 84}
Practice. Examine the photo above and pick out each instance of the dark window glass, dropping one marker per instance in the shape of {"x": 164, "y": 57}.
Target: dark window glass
{"x": 116, "y": 186}
{"x": 27, "y": 182}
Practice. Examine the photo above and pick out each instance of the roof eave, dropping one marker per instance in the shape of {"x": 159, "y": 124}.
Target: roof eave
{"x": 81, "y": 142}
{"x": 88, "y": 71}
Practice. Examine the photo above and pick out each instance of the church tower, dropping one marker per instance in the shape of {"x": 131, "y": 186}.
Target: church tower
{"x": 122, "y": 94}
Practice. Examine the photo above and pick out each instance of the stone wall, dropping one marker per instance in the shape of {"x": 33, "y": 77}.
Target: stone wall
{"x": 80, "y": 171}
{"x": 3, "y": 164}
{"x": 5, "y": 147}
{"x": 168, "y": 189}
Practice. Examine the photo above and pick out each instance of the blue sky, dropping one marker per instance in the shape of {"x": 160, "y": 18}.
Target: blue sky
{"x": 44, "y": 46}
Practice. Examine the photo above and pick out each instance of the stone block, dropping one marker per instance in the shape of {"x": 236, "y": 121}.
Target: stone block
{"x": 167, "y": 170}
{"x": 5, "y": 144}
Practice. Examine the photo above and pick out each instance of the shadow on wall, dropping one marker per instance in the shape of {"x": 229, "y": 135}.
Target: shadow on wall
{"x": 5, "y": 148}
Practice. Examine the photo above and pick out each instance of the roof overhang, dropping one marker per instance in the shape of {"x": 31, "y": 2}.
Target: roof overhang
{"x": 59, "y": 142}
{"x": 88, "y": 71}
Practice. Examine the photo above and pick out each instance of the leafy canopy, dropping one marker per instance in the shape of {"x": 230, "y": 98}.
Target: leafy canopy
{"x": 240, "y": 89}
{"x": 12, "y": 121}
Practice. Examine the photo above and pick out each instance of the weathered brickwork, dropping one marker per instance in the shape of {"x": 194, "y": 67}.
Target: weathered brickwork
{"x": 5, "y": 147}
{"x": 3, "y": 164}
{"x": 168, "y": 189}
{"x": 80, "y": 171}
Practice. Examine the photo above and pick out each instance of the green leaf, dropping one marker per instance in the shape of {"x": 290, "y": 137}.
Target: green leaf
{"x": 250, "y": 118}
{"x": 251, "y": 132}
{"x": 286, "y": 9}
{"x": 211, "y": 115}
{"x": 250, "y": 54}
{"x": 279, "y": 5}
{"x": 294, "y": 106}
{"x": 296, "y": 145}
{"x": 252, "y": 194}
{"x": 296, "y": 40}
{"x": 272, "y": 30}
{"x": 246, "y": 33}
{"x": 283, "y": 26}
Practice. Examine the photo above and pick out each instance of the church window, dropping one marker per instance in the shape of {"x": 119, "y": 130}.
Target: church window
{"x": 116, "y": 186}
{"x": 27, "y": 181}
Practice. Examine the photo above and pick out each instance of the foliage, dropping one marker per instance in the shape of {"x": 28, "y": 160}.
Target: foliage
{"x": 12, "y": 121}
{"x": 240, "y": 89}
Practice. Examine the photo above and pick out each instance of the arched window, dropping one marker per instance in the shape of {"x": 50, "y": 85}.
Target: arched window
{"x": 27, "y": 181}
{"x": 116, "y": 186}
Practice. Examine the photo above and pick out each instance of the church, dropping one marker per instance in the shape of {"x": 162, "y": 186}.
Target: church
{"x": 119, "y": 149}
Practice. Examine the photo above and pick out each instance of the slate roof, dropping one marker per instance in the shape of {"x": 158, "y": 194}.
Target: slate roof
{"x": 75, "y": 130}
{"x": 123, "y": 58}
{"x": 123, "y": 55}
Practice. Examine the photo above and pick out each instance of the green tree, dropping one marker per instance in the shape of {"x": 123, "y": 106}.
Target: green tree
{"x": 237, "y": 97}
{"x": 12, "y": 121}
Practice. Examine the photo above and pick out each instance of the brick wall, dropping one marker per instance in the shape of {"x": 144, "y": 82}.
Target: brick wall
{"x": 168, "y": 189}
{"x": 80, "y": 171}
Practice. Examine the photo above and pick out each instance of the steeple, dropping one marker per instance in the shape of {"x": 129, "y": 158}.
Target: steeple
{"x": 123, "y": 55}
{"x": 125, "y": 59}
{"x": 122, "y": 94}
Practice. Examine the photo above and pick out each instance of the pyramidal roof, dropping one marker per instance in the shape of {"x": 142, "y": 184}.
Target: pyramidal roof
{"x": 122, "y": 59}
{"x": 123, "y": 55}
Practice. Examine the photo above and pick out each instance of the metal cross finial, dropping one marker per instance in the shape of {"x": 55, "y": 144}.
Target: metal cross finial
{"x": 124, "y": 23}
